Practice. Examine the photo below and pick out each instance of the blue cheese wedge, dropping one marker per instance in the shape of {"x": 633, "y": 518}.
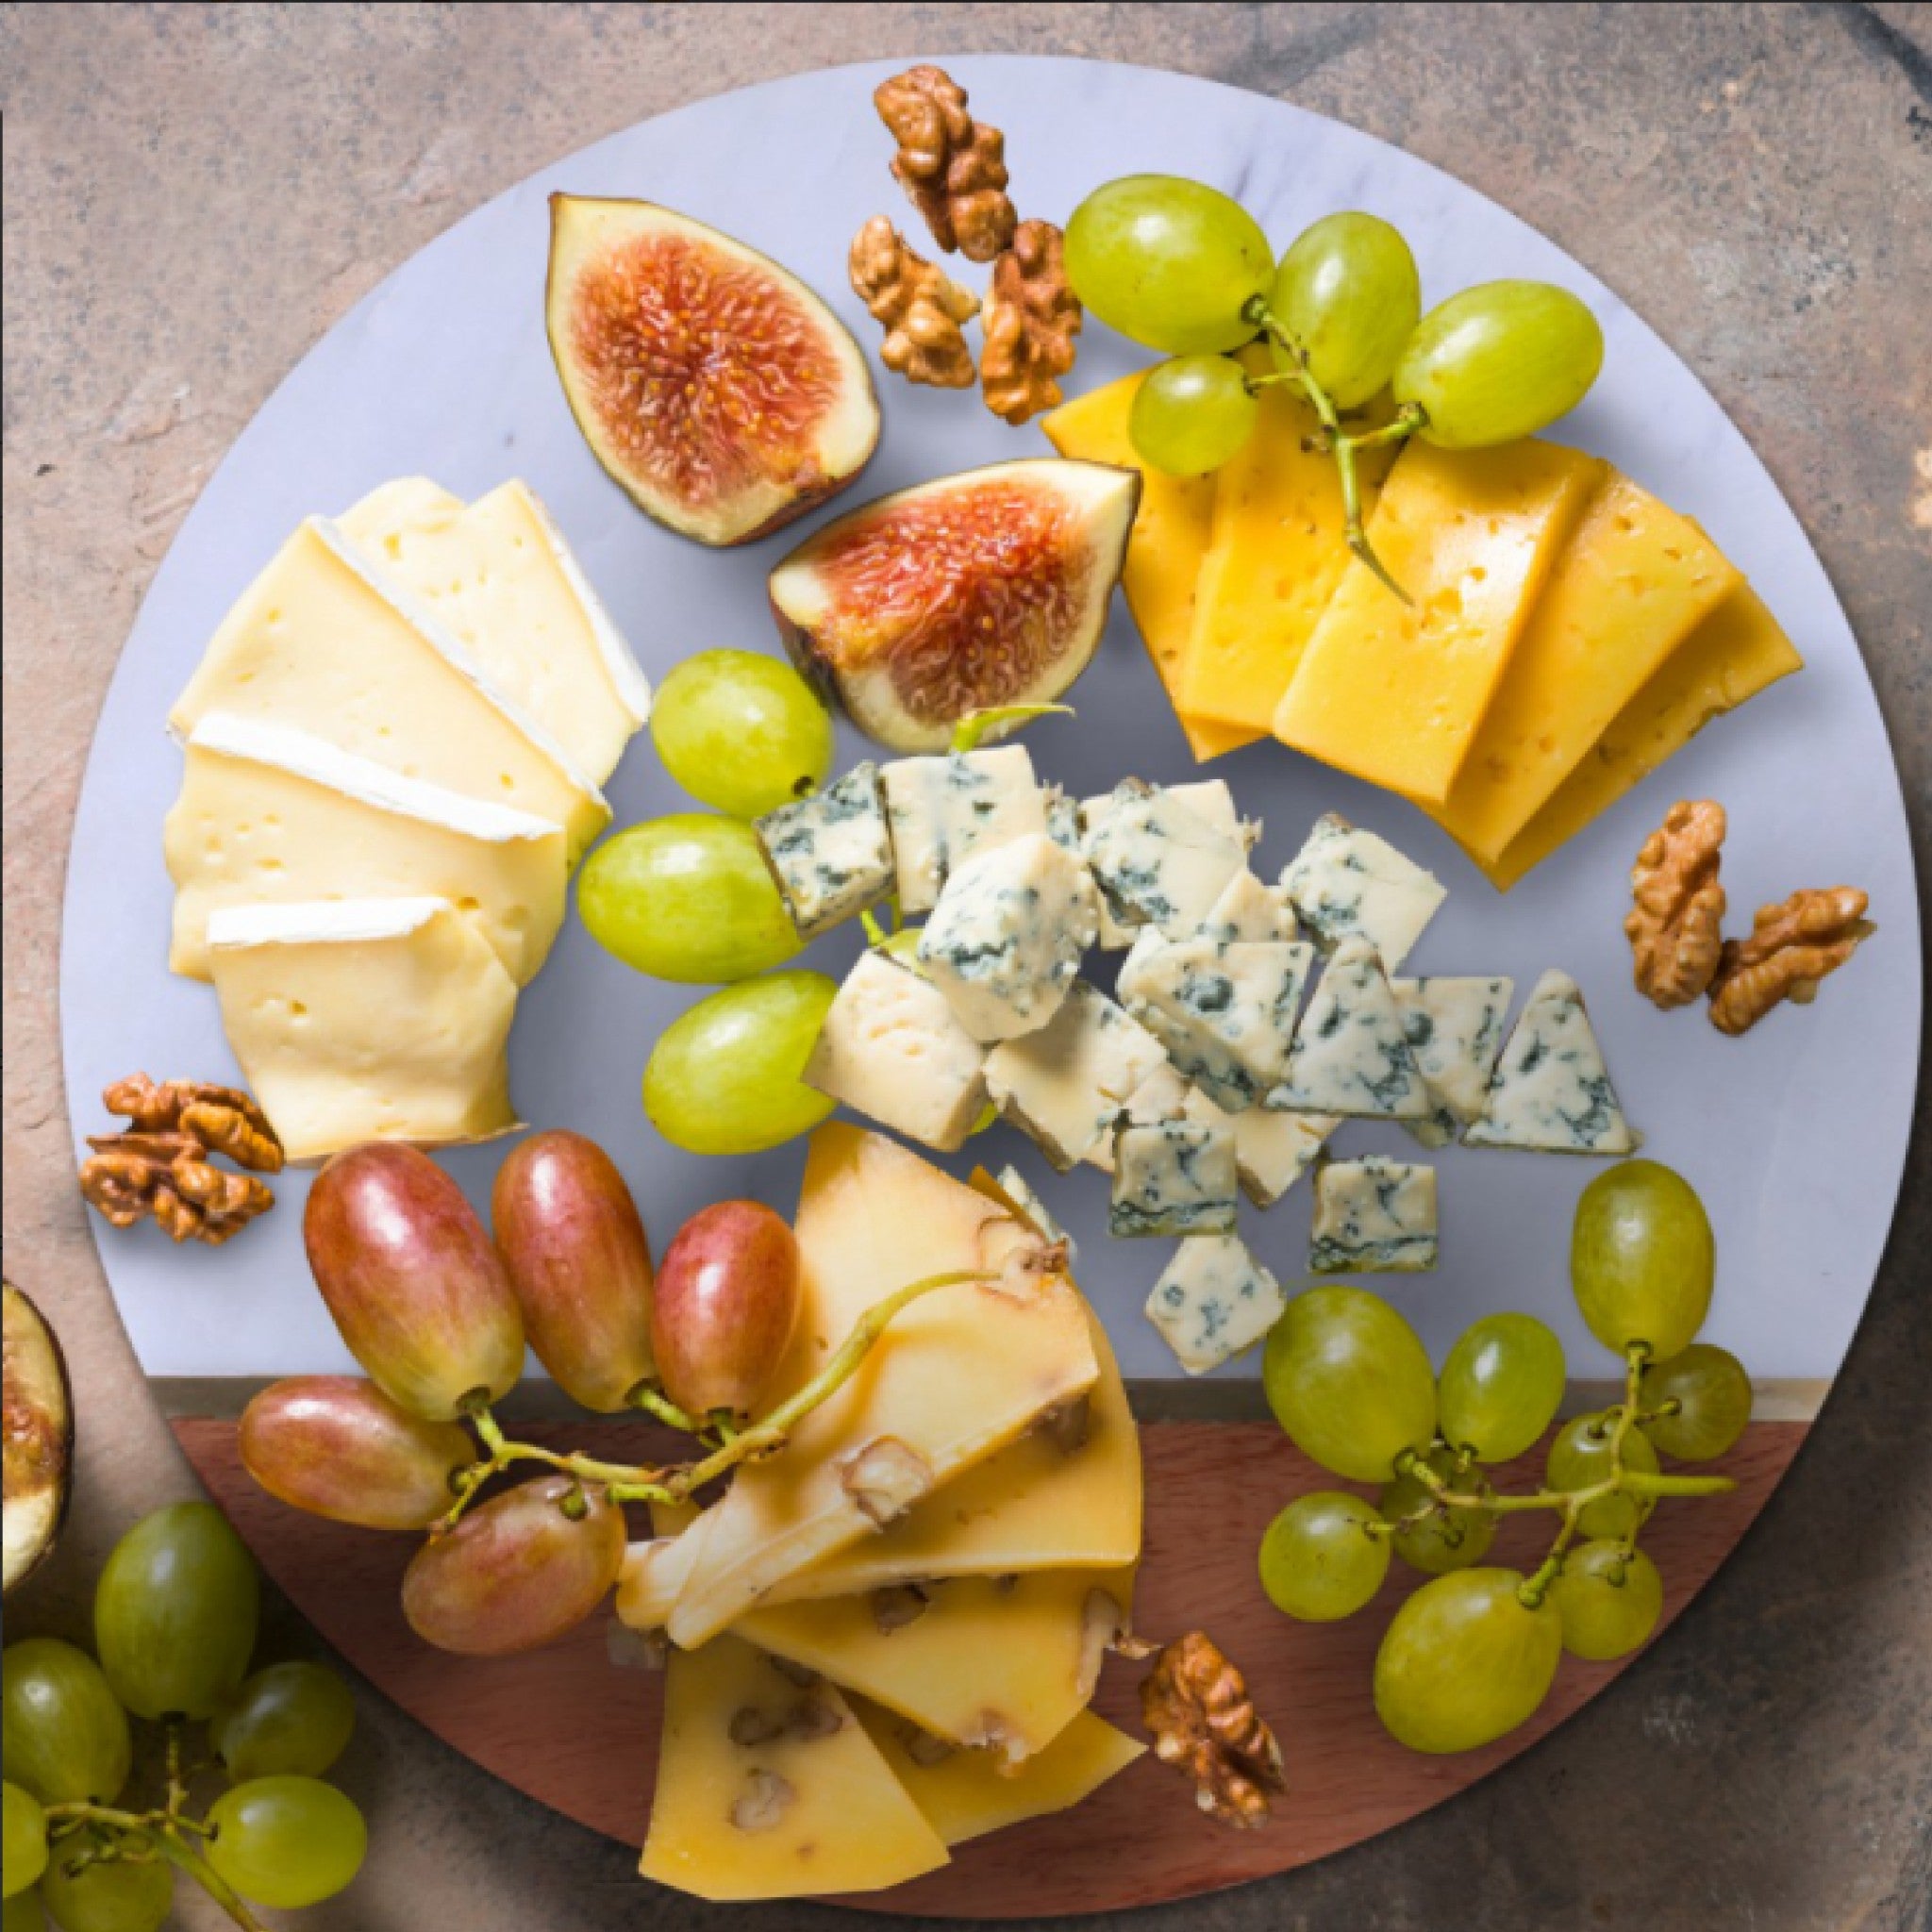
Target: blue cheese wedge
{"x": 1454, "y": 1030}
{"x": 1066, "y": 1084}
{"x": 1208, "y": 799}
{"x": 1350, "y": 1055}
{"x": 1163, "y": 1095}
{"x": 830, "y": 855}
{"x": 891, "y": 1050}
{"x": 1159, "y": 864}
{"x": 1212, "y": 1301}
{"x": 1224, "y": 1012}
{"x": 1374, "y": 1216}
{"x": 1006, "y": 938}
{"x": 942, "y": 809}
{"x": 1347, "y": 883}
{"x": 1019, "y": 1191}
{"x": 1247, "y": 910}
{"x": 1272, "y": 1151}
{"x": 1550, "y": 1092}
{"x": 1173, "y": 1177}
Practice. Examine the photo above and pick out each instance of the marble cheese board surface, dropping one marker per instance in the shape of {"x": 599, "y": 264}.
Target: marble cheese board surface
{"x": 1795, "y": 1136}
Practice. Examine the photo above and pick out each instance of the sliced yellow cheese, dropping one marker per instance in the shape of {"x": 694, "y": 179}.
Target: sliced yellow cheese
{"x": 499, "y": 577}
{"x": 1633, "y": 583}
{"x": 324, "y": 641}
{"x": 1165, "y": 548}
{"x": 998, "y": 1664}
{"x": 1396, "y": 691}
{"x": 965, "y": 1794}
{"x": 1732, "y": 656}
{"x": 366, "y": 1019}
{"x": 959, "y": 1374}
{"x": 1276, "y": 550}
{"x": 267, "y": 814}
{"x": 806, "y": 1803}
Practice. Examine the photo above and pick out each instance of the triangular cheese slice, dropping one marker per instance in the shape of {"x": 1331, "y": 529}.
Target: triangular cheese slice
{"x": 999, "y": 1664}
{"x": 957, "y": 1376}
{"x": 1454, "y": 1029}
{"x": 1551, "y": 1092}
{"x": 965, "y": 1794}
{"x": 770, "y": 1788}
{"x": 1350, "y": 1055}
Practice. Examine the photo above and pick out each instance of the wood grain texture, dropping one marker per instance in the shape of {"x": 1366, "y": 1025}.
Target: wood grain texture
{"x": 579, "y": 1735}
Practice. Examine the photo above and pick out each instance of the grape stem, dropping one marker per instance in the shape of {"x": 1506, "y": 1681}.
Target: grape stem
{"x": 974, "y": 728}
{"x": 159, "y": 1833}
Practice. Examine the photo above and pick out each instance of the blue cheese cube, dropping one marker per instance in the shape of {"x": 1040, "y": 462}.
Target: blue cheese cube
{"x": 1226, "y": 1013}
{"x": 1454, "y": 1030}
{"x": 1347, "y": 883}
{"x": 1174, "y": 1177}
{"x": 1006, "y": 938}
{"x": 1163, "y": 1095}
{"x": 1374, "y": 1216}
{"x": 1551, "y": 1092}
{"x": 1159, "y": 863}
{"x": 1351, "y": 1055}
{"x": 830, "y": 855}
{"x": 1063, "y": 820}
{"x": 1272, "y": 1151}
{"x": 1208, "y": 799}
{"x": 891, "y": 1050}
{"x": 940, "y": 809}
{"x": 1066, "y": 1084}
{"x": 1212, "y": 1301}
{"x": 1247, "y": 910}
{"x": 1019, "y": 1191}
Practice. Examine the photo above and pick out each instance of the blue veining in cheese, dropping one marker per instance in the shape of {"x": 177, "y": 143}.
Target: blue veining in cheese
{"x": 942, "y": 808}
{"x": 1247, "y": 910}
{"x": 1454, "y": 1030}
{"x": 1347, "y": 884}
{"x": 1173, "y": 1177}
{"x": 1350, "y": 1055}
{"x": 1272, "y": 1151}
{"x": 1374, "y": 1216}
{"x": 1551, "y": 1092}
{"x": 1159, "y": 863}
{"x": 1208, "y": 799}
{"x": 1212, "y": 1301}
{"x": 831, "y": 855}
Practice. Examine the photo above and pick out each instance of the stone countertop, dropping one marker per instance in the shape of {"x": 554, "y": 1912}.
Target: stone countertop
{"x": 195, "y": 194}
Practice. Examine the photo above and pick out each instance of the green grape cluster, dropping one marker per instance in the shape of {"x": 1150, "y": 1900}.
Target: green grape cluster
{"x": 1471, "y": 1652}
{"x": 1186, "y": 269}
{"x": 176, "y": 1610}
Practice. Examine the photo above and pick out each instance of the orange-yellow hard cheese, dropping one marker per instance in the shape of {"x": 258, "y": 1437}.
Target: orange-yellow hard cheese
{"x": 1396, "y": 691}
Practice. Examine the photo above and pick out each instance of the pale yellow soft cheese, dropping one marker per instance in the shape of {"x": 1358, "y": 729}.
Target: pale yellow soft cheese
{"x": 268, "y": 814}
{"x": 325, "y": 642}
{"x": 958, "y": 1375}
{"x": 499, "y": 575}
{"x": 805, "y": 1805}
{"x": 366, "y": 1019}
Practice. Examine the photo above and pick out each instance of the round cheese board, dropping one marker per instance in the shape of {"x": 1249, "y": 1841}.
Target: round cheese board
{"x": 1794, "y": 1136}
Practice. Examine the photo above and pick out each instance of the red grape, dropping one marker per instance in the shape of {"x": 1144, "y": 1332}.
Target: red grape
{"x": 726, "y": 1298}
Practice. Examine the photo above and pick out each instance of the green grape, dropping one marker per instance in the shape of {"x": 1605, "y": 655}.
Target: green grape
{"x": 1642, "y": 1258}
{"x": 1348, "y": 291}
{"x": 1348, "y": 1379}
{"x": 1609, "y": 1600}
{"x": 23, "y": 1912}
{"x": 1169, "y": 262}
{"x": 23, "y": 1839}
{"x": 65, "y": 1736}
{"x": 122, "y": 1895}
{"x": 687, "y": 898}
{"x": 725, "y": 1077}
{"x": 1447, "y": 1539}
{"x": 1465, "y": 1661}
{"x": 292, "y": 1718}
{"x": 1498, "y": 362}
{"x": 1501, "y": 1386}
{"x": 286, "y": 1842}
{"x": 741, "y": 732}
{"x": 1713, "y": 1396}
{"x": 1324, "y": 1557}
{"x": 1580, "y": 1459}
{"x": 1192, "y": 414}
{"x": 176, "y": 1611}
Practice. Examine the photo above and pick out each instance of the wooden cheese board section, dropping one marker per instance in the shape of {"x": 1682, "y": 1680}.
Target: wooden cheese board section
{"x": 564, "y": 1726}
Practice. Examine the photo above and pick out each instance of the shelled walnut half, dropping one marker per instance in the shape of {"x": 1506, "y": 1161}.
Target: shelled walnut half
{"x": 1032, "y": 316}
{"x": 1675, "y": 926}
{"x": 951, "y": 166}
{"x": 1197, "y": 1707}
{"x": 1792, "y": 948}
{"x": 922, "y": 307}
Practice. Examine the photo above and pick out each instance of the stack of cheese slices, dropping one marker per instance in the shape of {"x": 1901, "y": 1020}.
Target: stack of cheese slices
{"x": 1565, "y": 633}
{"x": 394, "y": 743}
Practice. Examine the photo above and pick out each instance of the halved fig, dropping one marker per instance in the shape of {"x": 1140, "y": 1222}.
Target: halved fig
{"x": 39, "y": 1437}
{"x": 710, "y": 382}
{"x": 985, "y": 588}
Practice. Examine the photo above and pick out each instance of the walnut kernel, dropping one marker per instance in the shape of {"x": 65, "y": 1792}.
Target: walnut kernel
{"x": 1792, "y": 948}
{"x": 1674, "y": 926}
{"x": 1032, "y": 316}
{"x": 922, "y": 307}
{"x": 953, "y": 167}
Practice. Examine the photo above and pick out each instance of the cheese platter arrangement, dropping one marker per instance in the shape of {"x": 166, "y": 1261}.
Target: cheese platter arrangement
{"x": 840, "y": 1199}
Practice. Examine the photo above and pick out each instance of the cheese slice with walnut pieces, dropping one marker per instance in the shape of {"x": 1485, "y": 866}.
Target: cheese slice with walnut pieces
{"x": 957, "y": 1376}
{"x": 771, "y": 1788}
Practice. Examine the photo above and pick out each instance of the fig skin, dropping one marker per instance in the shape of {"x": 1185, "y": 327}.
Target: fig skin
{"x": 39, "y": 1437}
{"x": 727, "y": 1297}
{"x": 907, "y": 661}
{"x": 338, "y": 1447}
{"x": 414, "y": 1283}
{"x": 579, "y": 1264}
